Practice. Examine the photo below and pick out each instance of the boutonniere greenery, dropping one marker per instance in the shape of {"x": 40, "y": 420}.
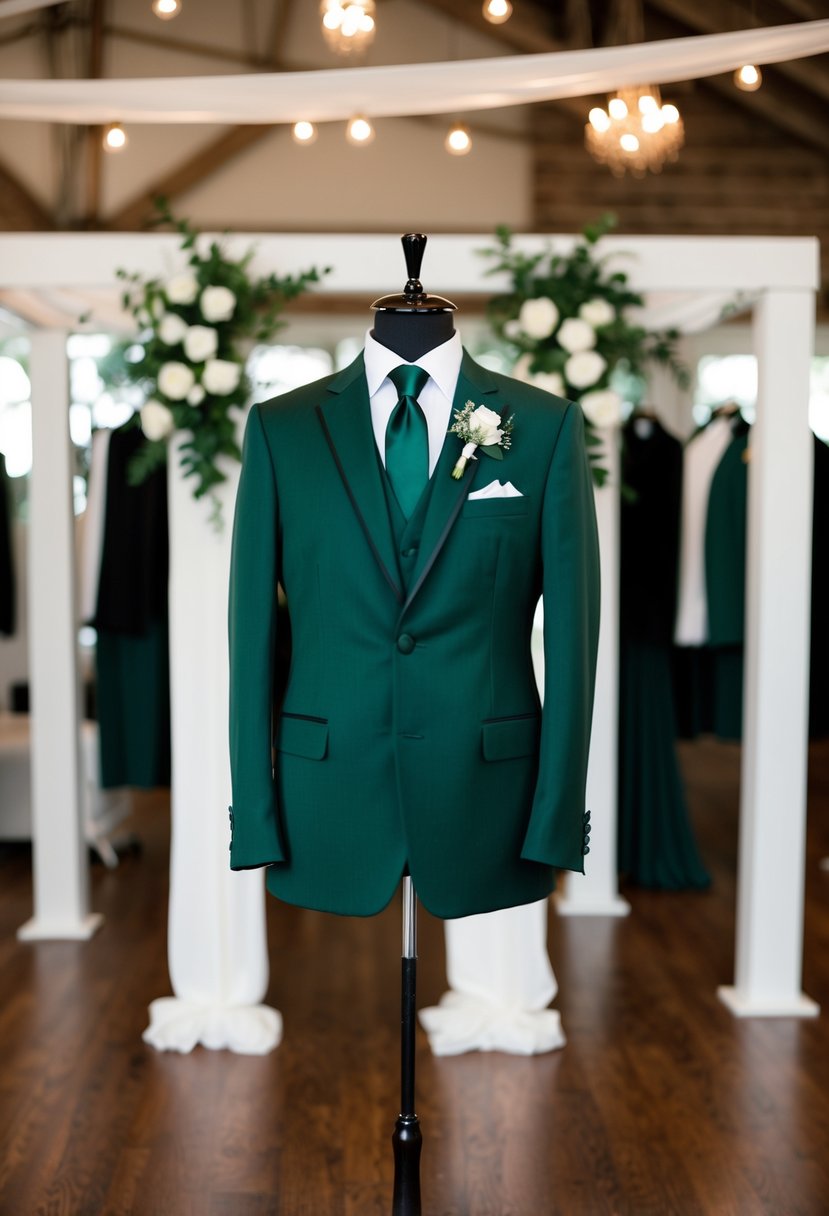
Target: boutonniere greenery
{"x": 481, "y": 429}
{"x": 195, "y": 330}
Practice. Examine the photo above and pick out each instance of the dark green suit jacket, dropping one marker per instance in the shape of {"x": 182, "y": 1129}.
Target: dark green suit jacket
{"x": 410, "y": 731}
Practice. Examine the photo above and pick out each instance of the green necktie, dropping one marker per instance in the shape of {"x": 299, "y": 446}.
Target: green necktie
{"x": 407, "y": 438}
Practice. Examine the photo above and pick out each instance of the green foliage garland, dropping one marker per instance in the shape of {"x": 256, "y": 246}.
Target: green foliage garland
{"x": 566, "y": 319}
{"x": 195, "y": 330}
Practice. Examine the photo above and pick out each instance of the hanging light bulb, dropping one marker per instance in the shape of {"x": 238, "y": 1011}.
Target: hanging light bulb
{"x": 599, "y": 119}
{"x": 166, "y": 9}
{"x": 114, "y": 138}
{"x": 617, "y": 107}
{"x": 359, "y": 131}
{"x": 748, "y": 78}
{"x": 458, "y": 140}
{"x": 304, "y": 132}
{"x": 497, "y": 11}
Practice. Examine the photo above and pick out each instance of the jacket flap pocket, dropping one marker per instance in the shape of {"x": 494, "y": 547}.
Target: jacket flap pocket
{"x": 509, "y": 737}
{"x": 302, "y": 737}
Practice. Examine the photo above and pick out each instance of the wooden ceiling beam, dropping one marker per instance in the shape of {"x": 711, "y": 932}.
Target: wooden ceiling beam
{"x": 781, "y": 104}
{"x": 20, "y": 209}
{"x": 729, "y": 15}
{"x": 136, "y": 213}
{"x": 523, "y": 32}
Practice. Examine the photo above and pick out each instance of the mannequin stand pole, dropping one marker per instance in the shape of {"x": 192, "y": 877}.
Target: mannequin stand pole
{"x": 406, "y": 1140}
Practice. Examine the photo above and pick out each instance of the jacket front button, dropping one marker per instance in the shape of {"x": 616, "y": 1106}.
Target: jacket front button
{"x": 405, "y": 643}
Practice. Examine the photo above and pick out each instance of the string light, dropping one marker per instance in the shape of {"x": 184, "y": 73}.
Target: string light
{"x": 458, "y": 140}
{"x": 166, "y": 9}
{"x": 359, "y": 131}
{"x": 748, "y": 78}
{"x": 114, "y": 138}
{"x": 304, "y": 132}
{"x": 497, "y": 11}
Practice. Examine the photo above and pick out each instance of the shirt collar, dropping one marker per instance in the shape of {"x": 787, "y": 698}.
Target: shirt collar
{"x": 443, "y": 363}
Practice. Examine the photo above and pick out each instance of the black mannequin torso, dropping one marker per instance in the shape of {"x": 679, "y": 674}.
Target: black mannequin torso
{"x": 411, "y": 334}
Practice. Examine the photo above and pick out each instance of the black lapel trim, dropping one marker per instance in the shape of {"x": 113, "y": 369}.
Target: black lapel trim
{"x": 439, "y": 543}
{"x": 398, "y": 594}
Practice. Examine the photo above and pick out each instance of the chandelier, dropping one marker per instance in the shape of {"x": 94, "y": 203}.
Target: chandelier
{"x": 637, "y": 133}
{"x": 348, "y": 27}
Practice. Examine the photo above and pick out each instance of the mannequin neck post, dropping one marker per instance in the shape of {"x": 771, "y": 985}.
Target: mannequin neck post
{"x": 412, "y": 334}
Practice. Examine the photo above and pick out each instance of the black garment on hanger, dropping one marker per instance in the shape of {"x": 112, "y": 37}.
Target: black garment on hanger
{"x": 656, "y": 841}
{"x": 7, "y": 582}
{"x": 132, "y": 660}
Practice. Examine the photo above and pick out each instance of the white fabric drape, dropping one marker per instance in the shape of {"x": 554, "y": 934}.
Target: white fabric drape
{"x": 217, "y": 948}
{"x": 500, "y": 984}
{"x": 401, "y": 89}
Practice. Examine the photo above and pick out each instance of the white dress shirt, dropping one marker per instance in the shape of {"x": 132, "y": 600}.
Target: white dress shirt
{"x": 443, "y": 364}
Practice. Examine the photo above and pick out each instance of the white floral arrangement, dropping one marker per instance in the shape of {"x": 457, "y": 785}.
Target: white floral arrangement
{"x": 195, "y": 330}
{"x": 567, "y": 321}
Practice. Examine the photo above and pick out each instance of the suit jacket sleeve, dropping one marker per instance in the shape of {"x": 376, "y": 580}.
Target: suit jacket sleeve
{"x": 254, "y": 572}
{"x": 570, "y": 556}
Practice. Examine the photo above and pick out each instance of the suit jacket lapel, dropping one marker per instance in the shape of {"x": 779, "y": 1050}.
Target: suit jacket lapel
{"x": 447, "y": 495}
{"x": 346, "y": 422}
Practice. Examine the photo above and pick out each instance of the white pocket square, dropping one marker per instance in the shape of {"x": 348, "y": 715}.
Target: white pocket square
{"x": 496, "y": 490}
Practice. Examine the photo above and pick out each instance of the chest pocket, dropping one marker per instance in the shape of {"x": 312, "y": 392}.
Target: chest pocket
{"x": 493, "y": 508}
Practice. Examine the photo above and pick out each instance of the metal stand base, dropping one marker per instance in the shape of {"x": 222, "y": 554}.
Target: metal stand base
{"x": 407, "y": 1140}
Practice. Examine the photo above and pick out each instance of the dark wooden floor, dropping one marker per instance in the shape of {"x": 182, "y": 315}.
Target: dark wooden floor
{"x": 661, "y": 1104}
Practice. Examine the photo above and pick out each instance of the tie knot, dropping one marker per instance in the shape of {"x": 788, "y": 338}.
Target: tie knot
{"x": 409, "y": 379}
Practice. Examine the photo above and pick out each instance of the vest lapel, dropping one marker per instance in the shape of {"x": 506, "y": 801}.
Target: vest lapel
{"x": 447, "y": 495}
{"x": 345, "y": 418}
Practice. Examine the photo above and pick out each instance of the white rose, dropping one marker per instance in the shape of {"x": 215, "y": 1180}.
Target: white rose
{"x": 156, "y": 420}
{"x": 175, "y": 380}
{"x": 217, "y": 303}
{"x": 488, "y": 421}
{"x": 521, "y": 369}
{"x": 200, "y": 343}
{"x": 584, "y": 368}
{"x": 538, "y": 318}
{"x": 512, "y": 329}
{"x": 172, "y": 329}
{"x": 597, "y": 312}
{"x": 182, "y": 288}
{"x": 602, "y": 408}
{"x": 550, "y": 382}
{"x": 221, "y": 376}
{"x": 576, "y": 335}
{"x": 196, "y": 395}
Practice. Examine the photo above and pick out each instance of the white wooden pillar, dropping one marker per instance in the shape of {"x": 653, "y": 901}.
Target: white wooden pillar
{"x": 769, "y": 943}
{"x": 61, "y": 897}
{"x": 596, "y": 892}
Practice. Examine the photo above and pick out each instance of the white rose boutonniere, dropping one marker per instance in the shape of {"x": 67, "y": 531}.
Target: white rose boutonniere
{"x": 480, "y": 427}
{"x": 182, "y": 288}
{"x": 175, "y": 380}
{"x": 221, "y": 376}
{"x": 217, "y": 303}
{"x": 200, "y": 343}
